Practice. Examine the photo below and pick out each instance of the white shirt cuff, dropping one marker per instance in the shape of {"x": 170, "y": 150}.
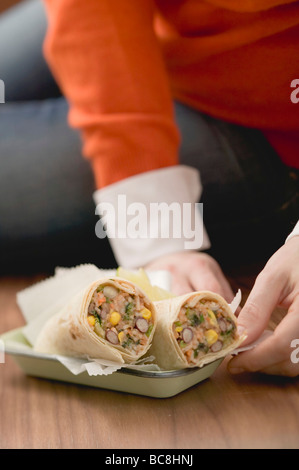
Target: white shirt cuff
{"x": 294, "y": 232}
{"x": 152, "y": 214}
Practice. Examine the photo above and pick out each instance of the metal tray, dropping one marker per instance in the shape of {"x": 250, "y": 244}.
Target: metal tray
{"x": 152, "y": 384}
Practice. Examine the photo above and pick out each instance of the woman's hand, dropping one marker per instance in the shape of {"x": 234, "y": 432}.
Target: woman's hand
{"x": 276, "y": 285}
{"x": 193, "y": 271}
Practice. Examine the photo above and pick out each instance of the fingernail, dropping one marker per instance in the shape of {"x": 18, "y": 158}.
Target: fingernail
{"x": 240, "y": 329}
{"x": 236, "y": 370}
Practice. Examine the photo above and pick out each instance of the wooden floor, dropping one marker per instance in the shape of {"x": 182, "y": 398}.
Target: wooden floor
{"x": 249, "y": 411}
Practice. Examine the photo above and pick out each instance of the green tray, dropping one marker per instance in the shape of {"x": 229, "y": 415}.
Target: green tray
{"x": 152, "y": 384}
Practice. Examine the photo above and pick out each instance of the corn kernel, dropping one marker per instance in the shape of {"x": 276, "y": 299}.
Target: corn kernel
{"x": 212, "y": 317}
{"x": 211, "y": 337}
{"x": 179, "y": 329}
{"x": 121, "y": 335}
{"x": 146, "y": 313}
{"x": 91, "y": 320}
{"x": 114, "y": 318}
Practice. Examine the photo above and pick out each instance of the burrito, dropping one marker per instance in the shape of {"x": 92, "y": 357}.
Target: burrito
{"x": 112, "y": 319}
{"x": 193, "y": 330}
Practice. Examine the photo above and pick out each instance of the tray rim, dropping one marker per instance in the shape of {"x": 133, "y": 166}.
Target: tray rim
{"x": 144, "y": 374}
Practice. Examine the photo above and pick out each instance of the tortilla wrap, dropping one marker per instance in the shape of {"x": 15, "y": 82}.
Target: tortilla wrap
{"x": 69, "y": 333}
{"x": 165, "y": 346}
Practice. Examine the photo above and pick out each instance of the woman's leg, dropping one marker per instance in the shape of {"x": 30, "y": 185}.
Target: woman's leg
{"x": 250, "y": 199}
{"x": 22, "y": 65}
{"x": 47, "y": 214}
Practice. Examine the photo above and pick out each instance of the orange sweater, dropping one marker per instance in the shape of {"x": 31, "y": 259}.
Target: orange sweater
{"x": 120, "y": 63}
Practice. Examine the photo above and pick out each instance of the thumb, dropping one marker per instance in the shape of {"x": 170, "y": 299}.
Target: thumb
{"x": 262, "y": 300}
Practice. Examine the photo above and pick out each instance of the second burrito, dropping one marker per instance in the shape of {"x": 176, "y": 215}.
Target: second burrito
{"x": 112, "y": 319}
{"x": 193, "y": 330}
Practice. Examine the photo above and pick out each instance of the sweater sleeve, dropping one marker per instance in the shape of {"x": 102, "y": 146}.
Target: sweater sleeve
{"x": 108, "y": 63}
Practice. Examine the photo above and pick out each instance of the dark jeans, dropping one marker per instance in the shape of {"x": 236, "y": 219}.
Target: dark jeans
{"x": 250, "y": 198}
{"x": 47, "y": 215}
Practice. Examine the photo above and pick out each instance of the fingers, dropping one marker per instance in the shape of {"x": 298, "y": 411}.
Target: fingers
{"x": 276, "y": 354}
{"x": 209, "y": 281}
{"x": 266, "y": 358}
{"x": 193, "y": 272}
{"x": 263, "y": 299}
{"x": 207, "y": 275}
{"x": 260, "y": 357}
{"x": 284, "y": 368}
{"x": 180, "y": 284}
{"x": 227, "y": 290}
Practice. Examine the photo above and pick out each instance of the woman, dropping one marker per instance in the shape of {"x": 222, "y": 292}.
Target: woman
{"x": 163, "y": 92}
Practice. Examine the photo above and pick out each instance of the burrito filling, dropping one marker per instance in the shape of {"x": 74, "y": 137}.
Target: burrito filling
{"x": 122, "y": 318}
{"x": 203, "y": 327}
